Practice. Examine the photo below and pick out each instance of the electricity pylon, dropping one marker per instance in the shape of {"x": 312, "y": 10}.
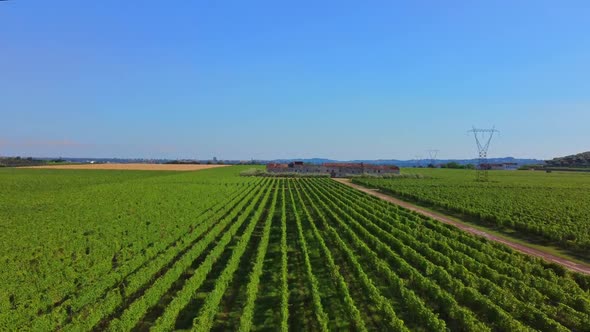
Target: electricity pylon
{"x": 483, "y": 137}
{"x": 418, "y": 161}
{"x": 432, "y": 154}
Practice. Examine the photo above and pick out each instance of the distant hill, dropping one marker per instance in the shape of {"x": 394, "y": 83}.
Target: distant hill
{"x": 575, "y": 160}
{"x": 17, "y": 161}
{"x": 413, "y": 163}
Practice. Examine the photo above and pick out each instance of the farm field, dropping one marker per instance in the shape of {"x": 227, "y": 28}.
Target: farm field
{"x": 93, "y": 250}
{"x": 553, "y": 207}
{"x": 131, "y": 166}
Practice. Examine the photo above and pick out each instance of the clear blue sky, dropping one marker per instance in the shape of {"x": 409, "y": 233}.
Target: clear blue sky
{"x": 278, "y": 79}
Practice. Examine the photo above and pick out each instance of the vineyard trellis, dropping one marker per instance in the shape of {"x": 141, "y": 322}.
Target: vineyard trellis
{"x": 551, "y": 207}
{"x": 353, "y": 262}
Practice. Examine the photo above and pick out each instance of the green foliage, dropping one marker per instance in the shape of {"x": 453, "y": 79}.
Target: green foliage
{"x": 264, "y": 173}
{"x": 18, "y": 161}
{"x": 252, "y": 288}
{"x": 312, "y": 280}
{"x": 553, "y": 206}
{"x": 284, "y": 264}
{"x": 132, "y": 250}
{"x": 252, "y": 172}
{"x": 183, "y": 162}
{"x": 204, "y": 321}
{"x": 388, "y": 176}
{"x": 455, "y": 165}
{"x": 574, "y": 161}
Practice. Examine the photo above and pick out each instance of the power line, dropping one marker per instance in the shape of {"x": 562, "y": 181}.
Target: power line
{"x": 432, "y": 153}
{"x": 483, "y": 137}
{"x": 418, "y": 160}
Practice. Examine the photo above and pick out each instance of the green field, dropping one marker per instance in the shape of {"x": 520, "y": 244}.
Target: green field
{"x": 542, "y": 207}
{"x": 210, "y": 250}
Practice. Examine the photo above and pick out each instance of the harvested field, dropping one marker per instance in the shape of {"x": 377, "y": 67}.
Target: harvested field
{"x": 136, "y": 167}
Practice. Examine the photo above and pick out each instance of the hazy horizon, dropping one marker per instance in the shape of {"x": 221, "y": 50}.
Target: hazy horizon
{"x": 268, "y": 80}
{"x": 423, "y": 158}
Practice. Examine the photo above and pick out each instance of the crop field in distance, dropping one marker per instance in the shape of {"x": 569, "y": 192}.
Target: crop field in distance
{"x": 132, "y": 166}
{"x": 553, "y": 207}
{"x": 91, "y": 250}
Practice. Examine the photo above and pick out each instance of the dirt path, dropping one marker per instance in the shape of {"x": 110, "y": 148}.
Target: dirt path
{"x": 573, "y": 266}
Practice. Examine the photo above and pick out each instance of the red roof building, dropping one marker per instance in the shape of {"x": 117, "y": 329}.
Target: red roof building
{"x": 334, "y": 169}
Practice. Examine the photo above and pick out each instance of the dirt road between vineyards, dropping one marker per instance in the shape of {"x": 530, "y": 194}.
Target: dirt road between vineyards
{"x": 573, "y": 266}
{"x": 134, "y": 167}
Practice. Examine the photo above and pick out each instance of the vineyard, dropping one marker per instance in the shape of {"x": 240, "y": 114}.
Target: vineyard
{"x": 210, "y": 250}
{"x": 552, "y": 206}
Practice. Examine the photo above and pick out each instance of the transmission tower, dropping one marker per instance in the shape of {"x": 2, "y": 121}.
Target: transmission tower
{"x": 418, "y": 161}
{"x": 483, "y": 137}
{"x": 432, "y": 154}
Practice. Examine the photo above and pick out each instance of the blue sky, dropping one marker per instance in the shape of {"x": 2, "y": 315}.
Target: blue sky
{"x": 278, "y": 79}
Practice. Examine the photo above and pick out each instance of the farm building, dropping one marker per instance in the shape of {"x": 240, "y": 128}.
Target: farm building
{"x": 336, "y": 170}
{"x": 500, "y": 167}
